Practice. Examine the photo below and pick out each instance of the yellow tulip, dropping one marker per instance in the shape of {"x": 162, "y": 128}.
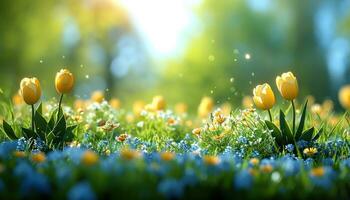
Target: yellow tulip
{"x": 344, "y": 97}
{"x": 264, "y": 97}
{"x": 97, "y": 96}
{"x": 137, "y": 107}
{"x": 30, "y": 90}
{"x": 287, "y": 85}
{"x": 115, "y": 103}
{"x": 247, "y": 102}
{"x": 226, "y": 108}
{"x": 64, "y": 81}
{"x": 17, "y": 99}
{"x": 180, "y": 108}
{"x": 316, "y": 109}
{"x": 79, "y": 104}
{"x": 158, "y": 103}
{"x": 327, "y": 106}
{"x": 205, "y": 107}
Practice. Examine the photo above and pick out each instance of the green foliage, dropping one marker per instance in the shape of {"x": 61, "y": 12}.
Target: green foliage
{"x": 242, "y": 130}
{"x": 54, "y": 132}
{"x": 284, "y": 135}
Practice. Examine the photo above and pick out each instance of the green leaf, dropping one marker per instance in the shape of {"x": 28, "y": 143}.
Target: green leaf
{"x": 317, "y": 135}
{"x": 41, "y": 126}
{"x": 51, "y": 123}
{"x": 8, "y": 130}
{"x": 285, "y": 130}
{"x": 71, "y": 128}
{"x": 69, "y": 136}
{"x": 276, "y": 133}
{"x": 60, "y": 113}
{"x": 39, "y": 109}
{"x": 28, "y": 133}
{"x": 301, "y": 123}
{"x": 307, "y": 135}
{"x": 60, "y": 127}
{"x": 50, "y": 137}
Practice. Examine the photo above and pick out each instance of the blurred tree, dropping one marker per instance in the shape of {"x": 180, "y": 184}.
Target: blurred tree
{"x": 25, "y": 39}
{"x": 239, "y": 46}
{"x": 308, "y": 58}
{"x": 101, "y": 23}
{"x": 93, "y": 38}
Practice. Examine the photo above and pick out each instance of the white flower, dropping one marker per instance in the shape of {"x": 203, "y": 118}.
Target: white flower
{"x": 276, "y": 177}
{"x": 140, "y": 124}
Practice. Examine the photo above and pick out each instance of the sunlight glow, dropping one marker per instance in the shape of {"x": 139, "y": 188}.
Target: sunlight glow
{"x": 161, "y": 23}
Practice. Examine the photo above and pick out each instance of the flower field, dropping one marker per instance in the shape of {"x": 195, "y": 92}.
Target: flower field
{"x": 97, "y": 149}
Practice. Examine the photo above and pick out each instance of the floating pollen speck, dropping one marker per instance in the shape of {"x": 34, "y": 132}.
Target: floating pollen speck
{"x": 211, "y": 58}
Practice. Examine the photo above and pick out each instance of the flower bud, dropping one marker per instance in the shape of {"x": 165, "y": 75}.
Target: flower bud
{"x": 115, "y": 103}
{"x": 287, "y": 85}
{"x": 264, "y": 97}
{"x": 64, "y": 81}
{"x": 158, "y": 103}
{"x": 30, "y": 90}
{"x": 97, "y": 96}
{"x": 344, "y": 97}
{"x": 205, "y": 107}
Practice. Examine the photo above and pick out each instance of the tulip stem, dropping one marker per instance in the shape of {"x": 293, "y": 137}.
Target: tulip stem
{"x": 59, "y": 107}
{"x": 33, "y": 118}
{"x": 270, "y": 115}
{"x": 293, "y": 105}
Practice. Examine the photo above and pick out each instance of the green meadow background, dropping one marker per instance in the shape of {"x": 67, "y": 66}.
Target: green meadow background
{"x": 224, "y": 49}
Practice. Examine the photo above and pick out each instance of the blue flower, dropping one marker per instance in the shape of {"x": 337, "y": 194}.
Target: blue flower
{"x": 308, "y": 163}
{"x": 345, "y": 164}
{"x": 54, "y": 156}
{"x": 328, "y": 162}
{"x": 242, "y": 140}
{"x": 6, "y": 148}
{"x": 102, "y": 145}
{"x": 290, "y": 148}
{"x": 63, "y": 173}
{"x": 39, "y": 145}
{"x": 73, "y": 154}
{"x": 171, "y": 188}
{"x": 243, "y": 180}
{"x": 266, "y": 161}
{"x": 134, "y": 142}
{"x": 322, "y": 176}
{"x": 184, "y": 147}
{"x": 228, "y": 150}
{"x": 81, "y": 191}
{"x": 21, "y": 144}
{"x": 255, "y": 154}
{"x": 302, "y": 144}
{"x": 23, "y": 169}
{"x": 290, "y": 166}
{"x": 189, "y": 178}
{"x": 35, "y": 183}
